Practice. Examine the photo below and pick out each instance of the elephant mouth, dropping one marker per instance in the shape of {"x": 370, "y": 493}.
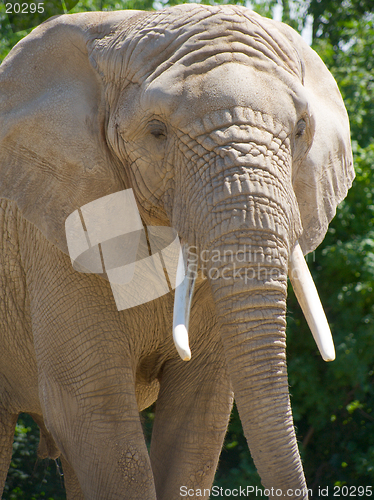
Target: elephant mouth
{"x": 302, "y": 283}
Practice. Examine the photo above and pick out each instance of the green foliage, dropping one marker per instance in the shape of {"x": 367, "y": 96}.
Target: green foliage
{"x": 333, "y": 404}
{"x": 334, "y": 21}
{"x": 7, "y": 37}
{"x": 29, "y": 13}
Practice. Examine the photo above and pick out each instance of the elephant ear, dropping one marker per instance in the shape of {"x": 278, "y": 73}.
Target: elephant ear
{"x": 326, "y": 173}
{"x": 53, "y": 153}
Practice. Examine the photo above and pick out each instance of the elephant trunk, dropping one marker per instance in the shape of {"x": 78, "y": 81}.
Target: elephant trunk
{"x": 250, "y": 300}
{"x": 253, "y": 224}
{"x": 245, "y": 246}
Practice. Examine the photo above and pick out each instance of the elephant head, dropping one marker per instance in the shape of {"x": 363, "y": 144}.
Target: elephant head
{"x": 227, "y": 127}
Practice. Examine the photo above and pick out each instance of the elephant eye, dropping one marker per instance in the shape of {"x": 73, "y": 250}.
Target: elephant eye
{"x": 158, "y": 134}
{"x": 157, "y": 129}
{"x": 300, "y": 128}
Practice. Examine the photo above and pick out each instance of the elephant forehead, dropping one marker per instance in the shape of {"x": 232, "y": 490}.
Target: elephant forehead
{"x": 196, "y": 38}
{"x": 225, "y": 87}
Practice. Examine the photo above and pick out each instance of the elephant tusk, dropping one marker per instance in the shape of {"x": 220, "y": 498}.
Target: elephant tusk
{"x": 307, "y": 296}
{"x": 182, "y": 304}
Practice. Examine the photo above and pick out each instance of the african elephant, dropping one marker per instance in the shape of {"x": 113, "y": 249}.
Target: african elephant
{"x": 227, "y": 128}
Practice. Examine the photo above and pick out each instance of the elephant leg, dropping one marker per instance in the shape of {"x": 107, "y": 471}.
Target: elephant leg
{"x": 192, "y": 413}
{"x": 100, "y": 435}
{"x": 86, "y": 377}
{"x": 7, "y": 427}
{"x": 96, "y": 425}
{"x": 72, "y": 486}
{"x": 48, "y": 449}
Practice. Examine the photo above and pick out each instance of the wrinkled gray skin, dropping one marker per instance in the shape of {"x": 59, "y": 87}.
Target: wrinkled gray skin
{"x": 231, "y": 130}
